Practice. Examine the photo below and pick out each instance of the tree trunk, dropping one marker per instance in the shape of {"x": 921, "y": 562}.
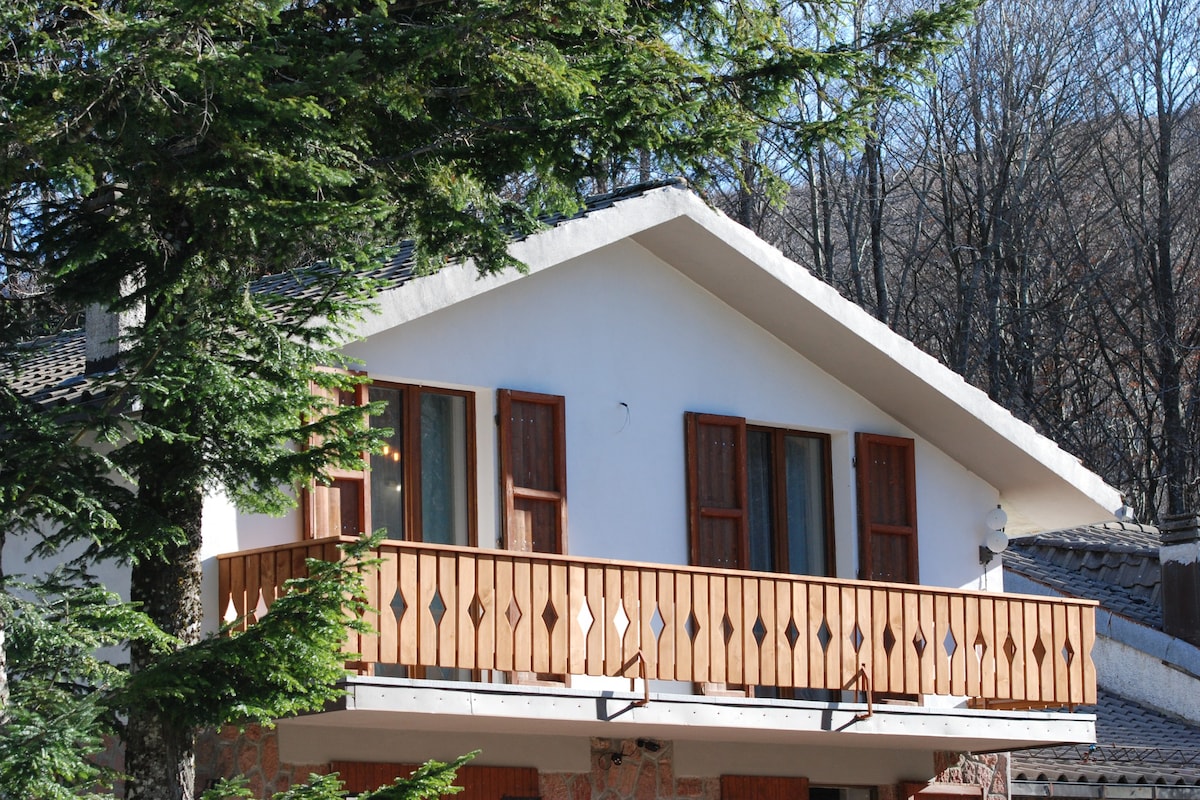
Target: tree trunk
{"x": 159, "y": 755}
{"x": 4, "y": 691}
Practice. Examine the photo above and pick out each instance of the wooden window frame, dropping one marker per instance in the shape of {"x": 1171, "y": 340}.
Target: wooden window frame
{"x": 410, "y": 401}
{"x": 692, "y": 422}
{"x": 779, "y": 538}
{"x": 510, "y": 492}
{"x": 866, "y": 527}
{"x": 410, "y": 397}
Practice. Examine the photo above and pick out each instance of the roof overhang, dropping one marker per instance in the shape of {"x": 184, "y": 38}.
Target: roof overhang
{"x": 1041, "y": 486}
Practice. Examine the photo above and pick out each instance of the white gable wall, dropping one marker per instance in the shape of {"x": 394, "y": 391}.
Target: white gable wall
{"x": 620, "y": 326}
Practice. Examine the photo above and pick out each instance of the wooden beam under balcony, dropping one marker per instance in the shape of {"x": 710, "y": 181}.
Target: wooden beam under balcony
{"x": 475, "y": 609}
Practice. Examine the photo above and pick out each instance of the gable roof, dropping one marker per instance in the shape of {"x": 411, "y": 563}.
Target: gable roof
{"x": 1041, "y": 486}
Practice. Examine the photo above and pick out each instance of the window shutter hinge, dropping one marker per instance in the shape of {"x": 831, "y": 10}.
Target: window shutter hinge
{"x": 854, "y": 462}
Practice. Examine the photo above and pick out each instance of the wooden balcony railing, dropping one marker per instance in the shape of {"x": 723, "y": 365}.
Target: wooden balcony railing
{"x": 476, "y": 609}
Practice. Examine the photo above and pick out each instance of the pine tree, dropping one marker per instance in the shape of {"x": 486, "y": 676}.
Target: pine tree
{"x": 161, "y": 155}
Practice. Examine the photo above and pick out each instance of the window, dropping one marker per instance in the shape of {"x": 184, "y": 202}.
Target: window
{"x": 887, "y": 508}
{"x": 758, "y": 497}
{"x": 420, "y": 486}
{"x": 533, "y": 476}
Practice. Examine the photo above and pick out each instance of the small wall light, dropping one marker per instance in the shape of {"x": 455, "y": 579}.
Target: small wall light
{"x": 649, "y": 745}
{"x": 996, "y": 541}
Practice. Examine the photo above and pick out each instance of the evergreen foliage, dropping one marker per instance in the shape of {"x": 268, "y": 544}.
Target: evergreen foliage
{"x": 161, "y": 155}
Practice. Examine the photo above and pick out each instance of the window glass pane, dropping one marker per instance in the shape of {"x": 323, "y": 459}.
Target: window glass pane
{"x": 805, "y": 494}
{"x": 444, "y": 468}
{"x": 761, "y": 517}
{"x": 387, "y": 467}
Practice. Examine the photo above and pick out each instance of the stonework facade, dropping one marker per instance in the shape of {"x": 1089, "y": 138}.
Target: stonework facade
{"x": 621, "y": 769}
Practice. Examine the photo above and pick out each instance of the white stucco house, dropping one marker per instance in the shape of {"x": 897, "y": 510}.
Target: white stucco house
{"x": 668, "y": 517}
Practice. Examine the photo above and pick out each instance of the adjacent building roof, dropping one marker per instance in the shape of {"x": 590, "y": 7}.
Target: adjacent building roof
{"x": 1115, "y": 563}
{"x": 1139, "y": 751}
{"x": 1134, "y": 745}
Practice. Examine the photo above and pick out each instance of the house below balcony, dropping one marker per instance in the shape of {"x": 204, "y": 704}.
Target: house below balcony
{"x": 666, "y": 516}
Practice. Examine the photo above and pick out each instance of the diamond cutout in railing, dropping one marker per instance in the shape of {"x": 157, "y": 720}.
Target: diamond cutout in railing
{"x": 889, "y": 640}
{"x": 727, "y": 628}
{"x": 759, "y": 630}
{"x": 950, "y": 644}
{"x": 550, "y": 616}
{"x": 919, "y": 642}
{"x": 824, "y": 635}
{"x": 792, "y": 633}
{"x": 856, "y": 638}
{"x": 513, "y": 613}
{"x": 398, "y": 605}
{"x": 620, "y": 621}
{"x": 981, "y": 646}
{"x": 585, "y": 618}
{"x": 475, "y": 610}
{"x": 260, "y": 610}
{"x": 1039, "y": 651}
{"x": 1068, "y": 653}
{"x": 437, "y": 608}
{"x": 230, "y": 613}
{"x": 1009, "y": 649}
{"x": 691, "y": 626}
{"x": 656, "y": 623}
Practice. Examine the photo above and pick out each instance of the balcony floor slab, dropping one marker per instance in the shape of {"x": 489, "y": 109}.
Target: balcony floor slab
{"x": 446, "y": 708}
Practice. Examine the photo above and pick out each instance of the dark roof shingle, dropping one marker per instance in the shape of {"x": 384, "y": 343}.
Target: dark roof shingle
{"x": 1134, "y": 744}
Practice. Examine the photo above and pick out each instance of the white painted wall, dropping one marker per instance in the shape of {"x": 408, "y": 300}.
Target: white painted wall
{"x": 619, "y": 326}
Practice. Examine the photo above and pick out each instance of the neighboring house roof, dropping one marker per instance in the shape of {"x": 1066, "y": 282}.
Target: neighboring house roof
{"x": 1040, "y": 485}
{"x": 1115, "y": 563}
{"x": 56, "y": 374}
{"x": 1134, "y": 744}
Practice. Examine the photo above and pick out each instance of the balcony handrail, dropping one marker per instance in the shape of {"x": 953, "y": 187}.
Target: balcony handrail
{"x": 502, "y": 610}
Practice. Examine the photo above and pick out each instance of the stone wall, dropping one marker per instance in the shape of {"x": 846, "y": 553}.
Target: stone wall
{"x": 989, "y": 771}
{"x": 621, "y": 769}
{"x": 253, "y": 753}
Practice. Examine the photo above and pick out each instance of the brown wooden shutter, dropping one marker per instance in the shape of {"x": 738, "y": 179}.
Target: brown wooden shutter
{"x": 341, "y": 507}
{"x": 887, "y": 508}
{"x": 533, "y": 470}
{"x": 754, "y": 787}
{"x": 716, "y": 483}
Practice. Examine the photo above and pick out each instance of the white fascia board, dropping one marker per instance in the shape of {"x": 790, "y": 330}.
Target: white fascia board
{"x": 539, "y": 251}
{"x": 521, "y": 710}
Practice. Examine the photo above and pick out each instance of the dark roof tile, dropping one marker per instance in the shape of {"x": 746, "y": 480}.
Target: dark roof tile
{"x": 1134, "y": 744}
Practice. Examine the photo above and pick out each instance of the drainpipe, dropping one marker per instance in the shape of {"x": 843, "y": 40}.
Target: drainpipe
{"x": 1179, "y": 555}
